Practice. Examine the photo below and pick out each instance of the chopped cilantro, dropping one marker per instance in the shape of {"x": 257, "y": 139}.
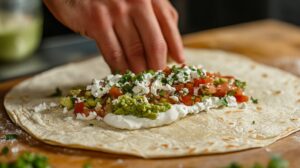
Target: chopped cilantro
{"x": 220, "y": 81}
{"x": 91, "y": 124}
{"x": 223, "y": 101}
{"x": 127, "y": 88}
{"x": 275, "y": 162}
{"x": 253, "y": 122}
{"x": 150, "y": 72}
{"x": 200, "y": 72}
{"x": 240, "y": 84}
{"x": 231, "y": 93}
{"x": 87, "y": 165}
{"x": 234, "y": 165}
{"x": 278, "y": 162}
{"x": 255, "y": 101}
{"x": 5, "y": 150}
{"x": 10, "y": 137}
{"x": 28, "y": 160}
{"x": 257, "y": 165}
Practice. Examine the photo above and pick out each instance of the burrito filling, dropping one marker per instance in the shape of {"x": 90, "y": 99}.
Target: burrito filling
{"x": 154, "y": 98}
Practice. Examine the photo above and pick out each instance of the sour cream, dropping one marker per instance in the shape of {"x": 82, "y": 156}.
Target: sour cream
{"x": 176, "y": 112}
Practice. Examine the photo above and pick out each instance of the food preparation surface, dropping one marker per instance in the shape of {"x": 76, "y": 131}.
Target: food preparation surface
{"x": 288, "y": 147}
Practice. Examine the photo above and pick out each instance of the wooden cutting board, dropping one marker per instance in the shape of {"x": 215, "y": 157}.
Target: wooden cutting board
{"x": 247, "y": 39}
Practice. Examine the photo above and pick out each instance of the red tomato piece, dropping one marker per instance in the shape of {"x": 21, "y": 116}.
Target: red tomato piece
{"x": 197, "y": 99}
{"x": 167, "y": 70}
{"x": 79, "y": 107}
{"x": 211, "y": 89}
{"x": 241, "y": 98}
{"x": 222, "y": 90}
{"x": 190, "y": 87}
{"x": 187, "y": 100}
{"x": 115, "y": 92}
{"x": 179, "y": 87}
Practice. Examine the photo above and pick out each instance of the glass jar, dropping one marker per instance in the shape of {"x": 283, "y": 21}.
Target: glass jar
{"x": 20, "y": 28}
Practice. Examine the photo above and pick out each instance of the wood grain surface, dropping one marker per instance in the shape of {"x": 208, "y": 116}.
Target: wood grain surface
{"x": 282, "y": 48}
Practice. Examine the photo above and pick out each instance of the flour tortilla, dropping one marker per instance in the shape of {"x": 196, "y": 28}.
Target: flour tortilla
{"x": 216, "y": 131}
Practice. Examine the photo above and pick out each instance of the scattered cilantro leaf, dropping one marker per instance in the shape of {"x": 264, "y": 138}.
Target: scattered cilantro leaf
{"x": 240, "y": 84}
{"x": 57, "y": 93}
{"x": 275, "y": 162}
{"x": 200, "y": 72}
{"x": 223, "y": 101}
{"x": 87, "y": 165}
{"x": 257, "y": 165}
{"x": 278, "y": 162}
{"x": 253, "y": 122}
{"x": 10, "y": 137}
{"x": 28, "y": 160}
{"x": 234, "y": 165}
{"x": 91, "y": 124}
{"x": 231, "y": 93}
{"x": 255, "y": 101}
{"x": 5, "y": 150}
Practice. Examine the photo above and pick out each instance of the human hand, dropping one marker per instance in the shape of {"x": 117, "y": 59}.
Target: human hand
{"x": 131, "y": 34}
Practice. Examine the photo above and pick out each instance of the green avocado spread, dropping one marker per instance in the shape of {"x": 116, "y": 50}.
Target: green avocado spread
{"x": 138, "y": 106}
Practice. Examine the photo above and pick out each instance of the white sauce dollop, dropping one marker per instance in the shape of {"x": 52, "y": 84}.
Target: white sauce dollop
{"x": 176, "y": 112}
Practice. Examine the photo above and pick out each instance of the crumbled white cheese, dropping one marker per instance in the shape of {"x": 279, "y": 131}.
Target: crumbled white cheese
{"x": 175, "y": 98}
{"x": 52, "y": 104}
{"x": 157, "y": 85}
{"x": 65, "y": 110}
{"x": 231, "y": 101}
{"x": 98, "y": 88}
{"x": 184, "y": 91}
{"x": 196, "y": 90}
{"x": 99, "y": 118}
{"x": 91, "y": 116}
{"x": 140, "y": 89}
{"x": 113, "y": 79}
{"x": 41, "y": 107}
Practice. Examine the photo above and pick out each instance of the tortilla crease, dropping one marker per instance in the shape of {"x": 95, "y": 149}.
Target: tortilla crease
{"x": 217, "y": 131}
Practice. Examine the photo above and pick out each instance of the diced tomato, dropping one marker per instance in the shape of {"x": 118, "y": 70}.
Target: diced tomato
{"x": 179, "y": 87}
{"x": 199, "y": 81}
{"x": 78, "y": 107}
{"x": 197, "y": 99}
{"x": 101, "y": 112}
{"x": 222, "y": 90}
{"x": 167, "y": 70}
{"x": 187, "y": 100}
{"x": 115, "y": 92}
{"x": 211, "y": 89}
{"x": 228, "y": 77}
{"x": 190, "y": 87}
{"x": 238, "y": 91}
{"x": 241, "y": 98}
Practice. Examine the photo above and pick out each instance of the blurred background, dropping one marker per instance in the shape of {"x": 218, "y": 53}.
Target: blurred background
{"x": 43, "y": 42}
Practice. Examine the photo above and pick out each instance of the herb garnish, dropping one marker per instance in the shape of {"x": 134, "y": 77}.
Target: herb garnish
{"x": 87, "y": 165}
{"x": 255, "y": 101}
{"x": 275, "y": 162}
{"x": 10, "y": 137}
{"x": 28, "y": 160}
{"x": 57, "y": 93}
{"x": 240, "y": 84}
{"x": 223, "y": 101}
{"x": 5, "y": 150}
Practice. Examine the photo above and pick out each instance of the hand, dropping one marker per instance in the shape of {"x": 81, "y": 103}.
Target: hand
{"x": 132, "y": 34}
